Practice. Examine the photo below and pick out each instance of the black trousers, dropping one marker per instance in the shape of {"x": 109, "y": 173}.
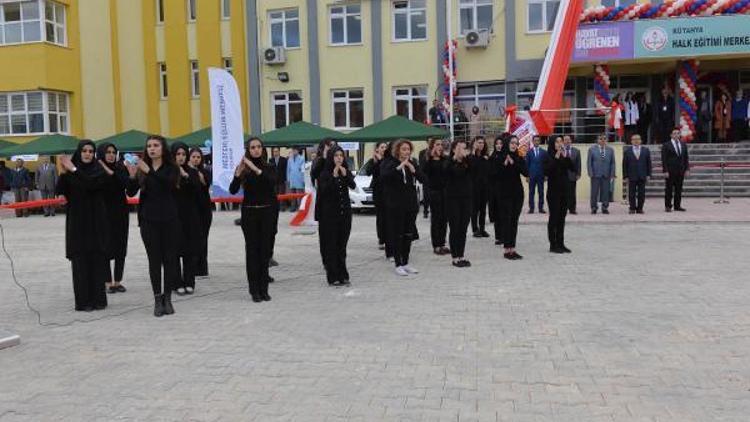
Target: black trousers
{"x": 380, "y": 226}
{"x": 673, "y": 188}
{"x": 258, "y": 227}
{"x": 201, "y": 265}
{"x": 426, "y": 199}
{"x": 336, "y": 231}
{"x": 636, "y": 194}
{"x": 570, "y": 196}
{"x": 160, "y": 240}
{"x": 558, "y": 209}
{"x": 511, "y": 211}
{"x": 401, "y": 225}
{"x": 186, "y": 265}
{"x": 459, "y": 211}
{"x": 119, "y": 269}
{"x": 89, "y": 276}
{"x": 479, "y": 208}
{"x": 499, "y": 217}
{"x": 439, "y": 220}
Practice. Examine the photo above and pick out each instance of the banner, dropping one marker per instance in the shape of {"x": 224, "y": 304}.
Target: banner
{"x": 604, "y": 41}
{"x": 227, "y": 145}
{"x": 690, "y": 37}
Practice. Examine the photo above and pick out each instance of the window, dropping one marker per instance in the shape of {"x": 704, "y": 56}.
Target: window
{"x": 226, "y": 9}
{"x": 489, "y": 97}
{"x": 542, "y": 14}
{"x": 284, "y": 28}
{"x": 348, "y": 109}
{"x": 525, "y": 94}
{"x": 228, "y": 65}
{"x": 616, "y": 3}
{"x": 55, "y": 23}
{"x": 346, "y": 24}
{"x": 409, "y": 20}
{"x": 475, "y": 14}
{"x": 163, "y": 89}
{"x": 159, "y": 11}
{"x": 191, "y": 10}
{"x": 287, "y": 108}
{"x": 20, "y": 22}
{"x": 195, "y": 79}
{"x": 36, "y": 112}
{"x": 411, "y": 103}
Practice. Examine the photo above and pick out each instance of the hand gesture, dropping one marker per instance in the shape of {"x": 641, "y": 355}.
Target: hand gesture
{"x": 183, "y": 173}
{"x": 143, "y": 167}
{"x": 240, "y": 168}
{"x": 252, "y": 166}
{"x": 132, "y": 170}
{"x": 106, "y": 169}
{"x": 202, "y": 178}
{"x": 410, "y": 166}
{"x": 67, "y": 164}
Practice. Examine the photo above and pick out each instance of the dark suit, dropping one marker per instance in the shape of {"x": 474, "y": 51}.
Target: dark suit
{"x": 636, "y": 169}
{"x": 535, "y": 163}
{"x": 675, "y": 163}
{"x": 664, "y": 117}
{"x": 573, "y": 175}
{"x": 280, "y": 169}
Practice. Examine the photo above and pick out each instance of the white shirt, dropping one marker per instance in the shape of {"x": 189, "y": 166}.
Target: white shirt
{"x": 676, "y": 146}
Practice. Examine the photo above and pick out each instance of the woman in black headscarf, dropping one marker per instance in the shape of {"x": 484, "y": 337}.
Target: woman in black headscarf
{"x": 509, "y": 167}
{"x": 86, "y": 227}
{"x": 458, "y": 198}
{"x": 495, "y": 163}
{"x": 479, "y": 164}
{"x": 556, "y": 166}
{"x": 258, "y": 181}
{"x": 187, "y": 196}
{"x": 372, "y": 169}
{"x": 315, "y": 169}
{"x": 118, "y": 213}
{"x": 158, "y": 179}
{"x": 335, "y": 215}
{"x": 205, "y": 209}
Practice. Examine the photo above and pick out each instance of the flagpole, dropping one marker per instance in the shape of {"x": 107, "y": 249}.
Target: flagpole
{"x": 452, "y": 82}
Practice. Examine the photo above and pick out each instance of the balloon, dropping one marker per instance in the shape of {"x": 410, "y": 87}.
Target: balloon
{"x": 208, "y": 143}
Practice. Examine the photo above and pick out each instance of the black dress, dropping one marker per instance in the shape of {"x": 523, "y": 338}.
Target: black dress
{"x": 509, "y": 195}
{"x": 480, "y": 167}
{"x": 458, "y": 198}
{"x": 435, "y": 171}
{"x": 372, "y": 169}
{"x": 399, "y": 189}
{"x": 556, "y": 171}
{"x": 118, "y": 216}
{"x": 191, "y": 230}
{"x": 335, "y": 222}
{"x": 205, "y": 215}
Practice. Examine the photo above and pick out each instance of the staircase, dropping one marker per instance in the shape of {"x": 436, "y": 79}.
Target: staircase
{"x": 706, "y": 181}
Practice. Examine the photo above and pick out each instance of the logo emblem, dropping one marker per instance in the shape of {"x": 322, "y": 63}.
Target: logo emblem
{"x": 654, "y": 38}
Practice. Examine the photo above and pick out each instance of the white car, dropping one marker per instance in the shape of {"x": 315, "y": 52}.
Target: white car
{"x": 361, "y": 196}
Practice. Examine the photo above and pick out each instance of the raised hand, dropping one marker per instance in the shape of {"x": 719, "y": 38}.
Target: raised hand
{"x": 67, "y": 164}
{"x": 143, "y": 167}
{"x": 106, "y": 169}
{"x": 252, "y": 165}
{"x": 132, "y": 170}
{"x": 240, "y": 168}
{"x": 183, "y": 173}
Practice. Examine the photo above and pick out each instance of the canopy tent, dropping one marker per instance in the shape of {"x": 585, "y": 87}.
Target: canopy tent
{"x": 130, "y": 141}
{"x": 44, "y": 145}
{"x": 396, "y": 127}
{"x": 198, "y": 138}
{"x": 298, "y": 134}
{"x": 5, "y": 144}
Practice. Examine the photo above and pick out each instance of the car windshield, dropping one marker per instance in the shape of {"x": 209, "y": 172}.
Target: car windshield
{"x": 362, "y": 171}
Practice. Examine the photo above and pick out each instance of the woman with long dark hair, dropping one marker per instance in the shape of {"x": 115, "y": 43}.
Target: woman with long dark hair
{"x": 118, "y": 212}
{"x": 556, "y": 166}
{"x": 434, "y": 168}
{"x": 399, "y": 176}
{"x": 509, "y": 167}
{"x": 479, "y": 164}
{"x": 388, "y": 160}
{"x": 458, "y": 198}
{"x": 205, "y": 209}
{"x": 335, "y": 220}
{"x": 495, "y": 161}
{"x": 158, "y": 178}
{"x": 372, "y": 169}
{"x": 86, "y": 226}
{"x": 258, "y": 181}
{"x": 191, "y": 230}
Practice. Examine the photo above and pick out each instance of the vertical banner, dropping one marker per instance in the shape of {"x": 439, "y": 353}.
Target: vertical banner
{"x": 227, "y": 144}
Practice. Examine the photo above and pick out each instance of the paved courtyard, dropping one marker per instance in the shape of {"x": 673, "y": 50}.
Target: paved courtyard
{"x": 643, "y": 322}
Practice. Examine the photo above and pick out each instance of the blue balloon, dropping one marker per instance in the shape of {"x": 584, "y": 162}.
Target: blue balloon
{"x": 208, "y": 143}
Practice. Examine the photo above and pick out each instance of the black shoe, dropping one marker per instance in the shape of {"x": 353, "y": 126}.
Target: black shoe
{"x": 667, "y": 209}
{"x": 466, "y": 263}
{"x": 271, "y": 279}
{"x": 484, "y": 233}
{"x": 273, "y": 263}
{"x": 266, "y": 297}
{"x": 531, "y": 211}
{"x": 158, "y": 305}
{"x": 437, "y": 251}
{"x": 168, "y": 309}
{"x": 121, "y": 289}
{"x": 639, "y": 212}
{"x": 556, "y": 249}
{"x": 680, "y": 209}
{"x": 631, "y": 212}
{"x": 458, "y": 264}
{"x": 257, "y": 299}
{"x": 573, "y": 212}
{"x": 515, "y": 255}
{"x": 593, "y": 212}
{"x": 100, "y": 307}
{"x": 498, "y": 242}
{"x": 542, "y": 211}
{"x": 427, "y": 216}
{"x": 605, "y": 211}
{"x": 445, "y": 250}
{"x": 381, "y": 246}
{"x": 565, "y": 249}
{"x": 346, "y": 283}
{"x": 508, "y": 255}
{"x": 477, "y": 234}
{"x": 112, "y": 290}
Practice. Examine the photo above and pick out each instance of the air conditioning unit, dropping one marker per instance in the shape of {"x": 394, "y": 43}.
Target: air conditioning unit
{"x": 478, "y": 39}
{"x": 274, "y": 55}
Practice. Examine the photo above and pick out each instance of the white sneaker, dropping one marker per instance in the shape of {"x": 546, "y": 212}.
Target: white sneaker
{"x": 411, "y": 270}
{"x": 401, "y": 271}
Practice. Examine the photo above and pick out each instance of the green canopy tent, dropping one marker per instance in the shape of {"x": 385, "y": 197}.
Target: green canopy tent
{"x": 129, "y": 141}
{"x": 198, "y": 138}
{"x": 44, "y": 145}
{"x": 5, "y": 144}
{"x": 396, "y": 127}
{"x": 299, "y": 134}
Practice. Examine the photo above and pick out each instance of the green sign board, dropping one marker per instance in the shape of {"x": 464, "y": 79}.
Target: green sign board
{"x": 695, "y": 36}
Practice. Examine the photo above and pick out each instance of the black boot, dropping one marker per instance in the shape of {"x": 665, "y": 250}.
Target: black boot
{"x": 168, "y": 309}
{"x": 158, "y": 305}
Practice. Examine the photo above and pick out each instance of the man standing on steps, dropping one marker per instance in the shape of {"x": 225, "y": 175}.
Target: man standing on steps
{"x": 602, "y": 170}
{"x": 676, "y": 166}
{"x": 636, "y": 170}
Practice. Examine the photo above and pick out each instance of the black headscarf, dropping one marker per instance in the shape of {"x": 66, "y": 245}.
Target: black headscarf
{"x": 101, "y": 154}
{"x": 329, "y": 159}
{"x": 91, "y": 169}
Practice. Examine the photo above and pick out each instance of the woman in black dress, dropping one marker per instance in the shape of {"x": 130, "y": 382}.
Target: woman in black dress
{"x": 479, "y": 164}
{"x": 86, "y": 226}
{"x": 335, "y": 215}
{"x": 434, "y": 168}
{"x": 372, "y": 169}
{"x": 258, "y": 181}
{"x": 118, "y": 212}
{"x": 510, "y": 168}
{"x": 556, "y": 166}
{"x": 495, "y": 161}
{"x": 187, "y": 196}
{"x": 205, "y": 209}
{"x": 316, "y": 168}
{"x": 399, "y": 175}
{"x": 158, "y": 178}
{"x": 458, "y": 198}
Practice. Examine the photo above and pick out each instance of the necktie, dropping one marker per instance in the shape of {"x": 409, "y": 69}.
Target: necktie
{"x": 677, "y": 148}
{"x": 602, "y": 151}
{"x": 637, "y": 153}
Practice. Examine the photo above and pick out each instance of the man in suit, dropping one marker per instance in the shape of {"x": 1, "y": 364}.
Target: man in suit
{"x": 675, "y": 164}
{"x": 438, "y": 117}
{"x": 636, "y": 170}
{"x": 20, "y": 183}
{"x": 278, "y": 163}
{"x": 573, "y": 175}
{"x": 535, "y": 163}
{"x": 601, "y": 170}
{"x": 46, "y": 180}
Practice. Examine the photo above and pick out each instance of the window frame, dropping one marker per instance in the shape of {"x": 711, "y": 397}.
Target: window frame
{"x": 345, "y": 17}
{"x": 474, "y": 6}
{"x": 192, "y": 10}
{"x": 476, "y": 97}
{"x": 545, "y": 18}
{"x": 226, "y": 9}
{"x": 287, "y": 103}
{"x": 41, "y": 22}
{"x": 409, "y": 12}
{"x": 283, "y": 20}
{"x": 160, "y": 14}
{"x": 62, "y": 117}
{"x": 348, "y": 100}
{"x": 163, "y": 80}
{"x": 195, "y": 79}
{"x": 410, "y": 98}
